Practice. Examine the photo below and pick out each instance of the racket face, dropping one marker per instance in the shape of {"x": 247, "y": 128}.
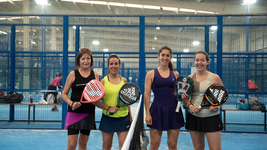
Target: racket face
{"x": 216, "y": 95}
{"x": 93, "y": 91}
{"x": 129, "y": 94}
{"x": 183, "y": 85}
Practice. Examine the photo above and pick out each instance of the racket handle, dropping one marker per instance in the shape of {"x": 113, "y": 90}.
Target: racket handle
{"x": 74, "y": 108}
{"x": 199, "y": 106}
{"x": 110, "y": 113}
{"x": 178, "y": 106}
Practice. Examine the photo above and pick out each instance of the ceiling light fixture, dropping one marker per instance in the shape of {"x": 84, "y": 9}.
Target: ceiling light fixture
{"x": 186, "y": 50}
{"x": 204, "y": 12}
{"x": 96, "y": 42}
{"x": 41, "y": 2}
{"x": 170, "y": 8}
{"x": 187, "y": 10}
{"x": 151, "y": 7}
{"x": 213, "y": 27}
{"x": 134, "y": 5}
{"x": 81, "y": 1}
{"x": 98, "y": 2}
{"x": 249, "y": 2}
{"x": 196, "y": 43}
{"x": 117, "y": 4}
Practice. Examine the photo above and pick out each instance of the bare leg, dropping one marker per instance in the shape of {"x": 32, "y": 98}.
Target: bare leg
{"x": 173, "y": 138}
{"x": 198, "y": 139}
{"x": 72, "y": 142}
{"x": 107, "y": 140}
{"x": 214, "y": 140}
{"x": 122, "y": 137}
{"x": 83, "y": 139}
{"x": 155, "y": 138}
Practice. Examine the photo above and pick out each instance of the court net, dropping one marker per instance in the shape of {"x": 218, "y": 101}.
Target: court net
{"x": 136, "y": 138}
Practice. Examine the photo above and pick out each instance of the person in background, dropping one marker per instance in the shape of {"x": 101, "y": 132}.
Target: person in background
{"x": 205, "y": 121}
{"x": 121, "y": 120}
{"x": 161, "y": 116}
{"x": 55, "y": 84}
{"x": 80, "y": 118}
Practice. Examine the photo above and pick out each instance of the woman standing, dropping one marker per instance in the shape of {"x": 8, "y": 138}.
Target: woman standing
{"x": 80, "y": 117}
{"x": 206, "y": 120}
{"x": 120, "y": 121}
{"x": 161, "y": 116}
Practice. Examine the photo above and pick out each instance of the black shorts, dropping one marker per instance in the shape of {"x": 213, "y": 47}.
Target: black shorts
{"x": 208, "y": 124}
{"x": 76, "y": 131}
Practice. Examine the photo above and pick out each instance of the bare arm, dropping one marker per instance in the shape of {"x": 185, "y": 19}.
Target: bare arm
{"x": 147, "y": 95}
{"x": 69, "y": 81}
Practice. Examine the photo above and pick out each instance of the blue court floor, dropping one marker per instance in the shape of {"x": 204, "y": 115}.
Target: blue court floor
{"x": 26, "y": 139}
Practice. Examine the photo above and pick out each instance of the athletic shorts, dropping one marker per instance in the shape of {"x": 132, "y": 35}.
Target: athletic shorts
{"x": 76, "y": 131}
{"x": 207, "y": 124}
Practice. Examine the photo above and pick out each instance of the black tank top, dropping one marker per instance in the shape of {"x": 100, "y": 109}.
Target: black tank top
{"x": 77, "y": 90}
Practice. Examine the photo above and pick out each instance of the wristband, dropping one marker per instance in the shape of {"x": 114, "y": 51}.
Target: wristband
{"x": 188, "y": 105}
{"x": 72, "y": 104}
{"x": 108, "y": 108}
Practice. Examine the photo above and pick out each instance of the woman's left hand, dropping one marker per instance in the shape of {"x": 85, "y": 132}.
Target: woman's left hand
{"x": 214, "y": 108}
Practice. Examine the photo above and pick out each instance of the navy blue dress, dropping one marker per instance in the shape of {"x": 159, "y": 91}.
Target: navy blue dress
{"x": 162, "y": 110}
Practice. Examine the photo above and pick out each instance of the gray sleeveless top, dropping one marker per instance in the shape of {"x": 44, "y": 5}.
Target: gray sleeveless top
{"x": 198, "y": 94}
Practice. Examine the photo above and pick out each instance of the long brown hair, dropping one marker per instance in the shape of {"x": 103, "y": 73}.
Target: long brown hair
{"x": 170, "y": 65}
{"x": 80, "y": 54}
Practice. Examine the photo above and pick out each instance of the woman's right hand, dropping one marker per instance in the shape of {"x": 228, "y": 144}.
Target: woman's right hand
{"x": 148, "y": 119}
{"x": 113, "y": 109}
{"x": 194, "y": 109}
{"x": 76, "y": 105}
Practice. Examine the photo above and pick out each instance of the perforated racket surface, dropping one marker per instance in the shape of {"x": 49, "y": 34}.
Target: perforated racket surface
{"x": 215, "y": 95}
{"x": 129, "y": 93}
{"x": 93, "y": 91}
{"x": 183, "y": 85}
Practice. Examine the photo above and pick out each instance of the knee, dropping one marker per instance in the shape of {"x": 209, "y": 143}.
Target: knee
{"x": 154, "y": 144}
{"x": 72, "y": 145}
{"x": 199, "y": 147}
{"x": 82, "y": 145}
{"x": 107, "y": 146}
{"x": 172, "y": 145}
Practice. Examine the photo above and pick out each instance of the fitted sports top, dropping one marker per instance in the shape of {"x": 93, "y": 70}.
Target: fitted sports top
{"x": 111, "y": 98}
{"x": 198, "y": 94}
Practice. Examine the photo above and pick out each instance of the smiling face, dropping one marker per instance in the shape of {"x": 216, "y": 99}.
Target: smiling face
{"x": 85, "y": 61}
{"x": 164, "y": 57}
{"x": 201, "y": 62}
{"x": 114, "y": 65}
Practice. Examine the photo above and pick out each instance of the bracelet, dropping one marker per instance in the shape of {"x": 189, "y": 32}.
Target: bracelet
{"x": 108, "y": 108}
{"x": 188, "y": 105}
{"x": 72, "y": 104}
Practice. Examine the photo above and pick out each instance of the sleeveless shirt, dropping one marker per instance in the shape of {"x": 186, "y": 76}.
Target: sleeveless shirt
{"x": 77, "y": 90}
{"x": 198, "y": 95}
{"x": 111, "y": 98}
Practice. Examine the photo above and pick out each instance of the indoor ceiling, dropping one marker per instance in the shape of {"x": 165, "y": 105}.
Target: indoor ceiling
{"x": 130, "y": 7}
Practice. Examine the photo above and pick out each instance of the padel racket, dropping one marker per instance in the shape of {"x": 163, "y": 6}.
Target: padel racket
{"x": 92, "y": 92}
{"x": 129, "y": 93}
{"x": 215, "y": 95}
{"x": 183, "y": 85}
